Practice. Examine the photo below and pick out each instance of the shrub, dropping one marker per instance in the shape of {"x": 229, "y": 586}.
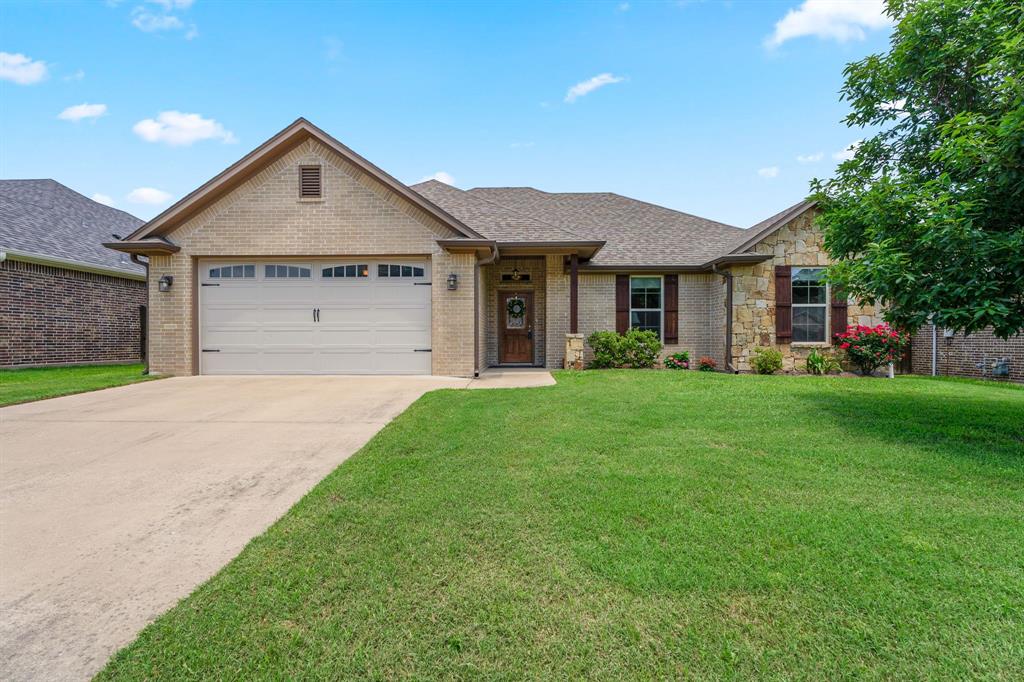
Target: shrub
{"x": 822, "y": 363}
{"x": 679, "y": 360}
{"x": 766, "y": 360}
{"x": 707, "y": 364}
{"x": 635, "y": 349}
{"x": 871, "y": 347}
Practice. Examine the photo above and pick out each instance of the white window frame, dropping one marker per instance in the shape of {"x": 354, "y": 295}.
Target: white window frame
{"x": 826, "y": 305}
{"x": 661, "y": 309}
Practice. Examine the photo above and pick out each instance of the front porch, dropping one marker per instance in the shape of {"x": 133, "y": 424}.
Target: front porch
{"x": 527, "y": 305}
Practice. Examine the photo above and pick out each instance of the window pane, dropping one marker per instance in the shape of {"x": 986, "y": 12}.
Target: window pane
{"x": 646, "y": 320}
{"x": 364, "y": 270}
{"x": 214, "y": 273}
{"x": 417, "y": 272}
{"x": 406, "y": 271}
{"x": 327, "y": 272}
{"x": 269, "y": 270}
{"x": 396, "y": 270}
{"x": 304, "y": 272}
{"x": 809, "y": 323}
{"x": 382, "y": 270}
{"x": 816, "y": 294}
{"x": 808, "y": 276}
{"x": 250, "y": 270}
{"x": 236, "y": 271}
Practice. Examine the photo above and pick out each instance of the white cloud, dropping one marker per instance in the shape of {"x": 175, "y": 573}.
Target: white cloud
{"x": 169, "y": 5}
{"x": 440, "y": 176}
{"x": 102, "y": 199}
{"x": 149, "y": 22}
{"x": 768, "y": 172}
{"x": 810, "y": 158}
{"x": 192, "y": 32}
{"x": 20, "y": 69}
{"x": 80, "y": 111}
{"x": 588, "y": 86}
{"x": 839, "y": 20}
{"x": 847, "y": 152}
{"x": 148, "y": 195}
{"x": 76, "y": 76}
{"x": 897, "y": 105}
{"x": 623, "y": 6}
{"x": 176, "y": 128}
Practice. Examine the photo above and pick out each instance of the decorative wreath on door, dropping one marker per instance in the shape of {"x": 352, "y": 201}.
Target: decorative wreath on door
{"x": 516, "y": 308}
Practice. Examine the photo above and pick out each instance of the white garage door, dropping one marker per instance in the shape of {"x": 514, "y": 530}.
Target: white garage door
{"x": 314, "y": 317}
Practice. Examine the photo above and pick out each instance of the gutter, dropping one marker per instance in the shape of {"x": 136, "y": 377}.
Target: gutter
{"x": 727, "y": 276}
{"x": 68, "y": 264}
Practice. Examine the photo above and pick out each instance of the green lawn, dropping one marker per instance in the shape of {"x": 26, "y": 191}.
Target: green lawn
{"x": 23, "y": 385}
{"x": 625, "y": 525}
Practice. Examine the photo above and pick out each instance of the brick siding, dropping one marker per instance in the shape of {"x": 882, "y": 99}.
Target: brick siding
{"x": 51, "y": 315}
{"x": 357, "y": 216}
{"x": 960, "y": 355}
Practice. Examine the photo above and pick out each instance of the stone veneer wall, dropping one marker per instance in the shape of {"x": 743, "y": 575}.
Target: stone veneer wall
{"x": 960, "y": 355}
{"x": 356, "y": 216}
{"x": 56, "y": 316}
{"x": 492, "y": 284}
{"x": 798, "y": 243}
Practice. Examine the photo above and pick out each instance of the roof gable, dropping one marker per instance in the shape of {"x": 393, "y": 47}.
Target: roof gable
{"x": 770, "y": 226}
{"x": 264, "y": 155}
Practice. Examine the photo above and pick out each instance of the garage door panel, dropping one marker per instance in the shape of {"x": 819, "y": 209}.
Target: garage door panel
{"x": 363, "y": 325}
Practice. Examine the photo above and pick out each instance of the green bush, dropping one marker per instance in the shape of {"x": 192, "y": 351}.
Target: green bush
{"x": 680, "y": 360}
{"x": 823, "y": 363}
{"x": 635, "y": 348}
{"x": 706, "y": 364}
{"x": 766, "y": 360}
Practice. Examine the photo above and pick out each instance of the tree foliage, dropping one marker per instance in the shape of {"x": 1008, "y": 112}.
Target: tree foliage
{"x": 928, "y": 217}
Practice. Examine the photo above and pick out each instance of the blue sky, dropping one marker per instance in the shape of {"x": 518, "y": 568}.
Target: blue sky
{"x": 701, "y": 106}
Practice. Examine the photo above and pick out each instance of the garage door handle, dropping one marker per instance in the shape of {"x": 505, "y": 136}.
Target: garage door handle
{"x": 211, "y": 350}
{"x": 421, "y": 350}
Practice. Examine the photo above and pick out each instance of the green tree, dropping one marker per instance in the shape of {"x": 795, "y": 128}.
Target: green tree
{"x": 928, "y": 216}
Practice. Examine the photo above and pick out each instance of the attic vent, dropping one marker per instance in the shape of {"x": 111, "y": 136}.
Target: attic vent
{"x": 309, "y": 182}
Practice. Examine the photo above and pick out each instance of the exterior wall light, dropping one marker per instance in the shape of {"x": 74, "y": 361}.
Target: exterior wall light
{"x": 165, "y": 282}
{"x": 453, "y": 282}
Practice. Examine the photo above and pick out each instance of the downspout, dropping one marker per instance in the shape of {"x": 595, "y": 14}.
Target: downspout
{"x": 935, "y": 349}
{"x": 476, "y": 308}
{"x": 145, "y": 264}
{"x": 727, "y": 277}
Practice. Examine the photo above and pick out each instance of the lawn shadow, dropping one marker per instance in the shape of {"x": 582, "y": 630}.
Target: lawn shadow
{"x": 985, "y": 426}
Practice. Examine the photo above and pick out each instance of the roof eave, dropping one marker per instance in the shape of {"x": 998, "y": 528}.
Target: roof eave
{"x": 582, "y": 248}
{"x": 145, "y": 247}
{"x": 69, "y": 264}
{"x": 771, "y": 228}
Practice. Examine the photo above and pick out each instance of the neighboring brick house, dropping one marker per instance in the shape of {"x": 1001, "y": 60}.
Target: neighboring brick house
{"x": 980, "y": 355}
{"x": 64, "y": 297}
{"x": 304, "y": 257}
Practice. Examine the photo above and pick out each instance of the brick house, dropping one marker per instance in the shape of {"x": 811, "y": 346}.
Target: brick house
{"x": 64, "y": 297}
{"x": 304, "y": 257}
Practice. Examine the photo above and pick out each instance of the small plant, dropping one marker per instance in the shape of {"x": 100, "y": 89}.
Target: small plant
{"x": 871, "y": 347}
{"x": 680, "y": 360}
{"x": 635, "y": 348}
{"x": 766, "y": 360}
{"x": 707, "y": 364}
{"x": 822, "y": 363}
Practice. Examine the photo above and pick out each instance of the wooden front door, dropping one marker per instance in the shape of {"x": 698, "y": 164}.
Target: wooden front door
{"x": 515, "y": 327}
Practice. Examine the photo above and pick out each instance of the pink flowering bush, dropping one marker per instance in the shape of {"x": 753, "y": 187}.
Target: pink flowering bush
{"x": 871, "y": 347}
{"x": 680, "y": 360}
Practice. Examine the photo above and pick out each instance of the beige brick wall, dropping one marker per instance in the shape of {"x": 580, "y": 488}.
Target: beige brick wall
{"x": 699, "y": 294}
{"x": 798, "y": 243}
{"x": 357, "y": 216}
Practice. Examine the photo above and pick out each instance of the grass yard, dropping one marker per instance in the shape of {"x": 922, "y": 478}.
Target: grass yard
{"x": 24, "y": 385}
{"x": 625, "y": 525}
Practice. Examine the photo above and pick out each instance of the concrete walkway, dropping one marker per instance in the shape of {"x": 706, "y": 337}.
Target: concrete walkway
{"x": 116, "y": 504}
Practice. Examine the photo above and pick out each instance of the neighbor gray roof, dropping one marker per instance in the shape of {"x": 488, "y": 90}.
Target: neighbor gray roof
{"x": 45, "y": 218}
{"x": 635, "y": 232}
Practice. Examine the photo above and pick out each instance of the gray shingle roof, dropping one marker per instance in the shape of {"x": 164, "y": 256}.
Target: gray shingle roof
{"x": 494, "y": 221}
{"x": 636, "y": 232}
{"x": 44, "y": 217}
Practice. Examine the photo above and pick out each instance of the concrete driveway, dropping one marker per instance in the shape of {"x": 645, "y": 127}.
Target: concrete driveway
{"x": 116, "y": 504}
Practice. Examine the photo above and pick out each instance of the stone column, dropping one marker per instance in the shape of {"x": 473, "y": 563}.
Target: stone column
{"x": 574, "y": 351}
